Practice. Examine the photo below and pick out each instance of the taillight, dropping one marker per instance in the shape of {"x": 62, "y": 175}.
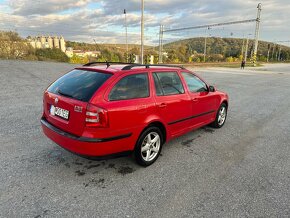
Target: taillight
{"x": 96, "y": 117}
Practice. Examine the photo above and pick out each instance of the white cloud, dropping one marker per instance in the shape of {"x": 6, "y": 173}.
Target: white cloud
{"x": 41, "y": 7}
{"x": 79, "y": 20}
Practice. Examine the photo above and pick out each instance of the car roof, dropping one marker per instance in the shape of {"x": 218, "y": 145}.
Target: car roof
{"x": 114, "y": 68}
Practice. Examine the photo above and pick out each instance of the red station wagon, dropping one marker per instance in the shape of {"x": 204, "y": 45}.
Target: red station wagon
{"x": 99, "y": 110}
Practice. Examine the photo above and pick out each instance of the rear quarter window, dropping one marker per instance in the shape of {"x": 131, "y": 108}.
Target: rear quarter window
{"x": 79, "y": 84}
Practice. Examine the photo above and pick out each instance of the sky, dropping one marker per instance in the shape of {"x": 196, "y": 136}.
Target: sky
{"x": 104, "y": 21}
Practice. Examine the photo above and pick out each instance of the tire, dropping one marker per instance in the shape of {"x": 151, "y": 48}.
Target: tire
{"x": 146, "y": 154}
{"x": 221, "y": 116}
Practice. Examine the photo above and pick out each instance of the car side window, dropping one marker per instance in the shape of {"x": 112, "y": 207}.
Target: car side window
{"x": 167, "y": 83}
{"x": 194, "y": 83}
{"x": 130, "y": 87}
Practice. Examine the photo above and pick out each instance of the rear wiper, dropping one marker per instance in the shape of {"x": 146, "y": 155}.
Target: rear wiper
{"x": 64, "y": 94}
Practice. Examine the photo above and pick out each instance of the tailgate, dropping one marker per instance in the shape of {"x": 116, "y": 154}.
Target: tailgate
{"x": 65, "y": 113}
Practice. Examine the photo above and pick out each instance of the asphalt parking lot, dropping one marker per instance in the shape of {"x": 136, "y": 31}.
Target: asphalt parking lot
{"x": 241, "y": 170}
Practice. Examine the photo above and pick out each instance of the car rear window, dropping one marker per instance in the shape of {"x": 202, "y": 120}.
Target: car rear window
{"x": 79, "y": 84}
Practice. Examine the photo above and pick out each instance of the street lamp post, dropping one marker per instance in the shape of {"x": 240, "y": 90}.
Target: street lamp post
{"x": 126, "y": 28}
{"x": 204, "y": 52}
{"x": 142, "y": 31}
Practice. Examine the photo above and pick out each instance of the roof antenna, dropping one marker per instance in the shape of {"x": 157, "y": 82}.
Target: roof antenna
{"x": 108, "y": 64}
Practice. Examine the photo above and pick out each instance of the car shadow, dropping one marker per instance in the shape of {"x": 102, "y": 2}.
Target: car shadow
{"x": 68, "y": 167}
{"x": 100, "y": 173}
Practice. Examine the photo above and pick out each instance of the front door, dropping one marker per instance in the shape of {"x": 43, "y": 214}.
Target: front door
{"x": 203, "y": 101}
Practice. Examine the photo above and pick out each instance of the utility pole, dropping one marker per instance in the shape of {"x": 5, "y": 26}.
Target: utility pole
{"x": 126, "y": 28}
{"x": 257, "y": 32}
{"x": 273, "y": 51}
{"x": 279, "y": 56}
{"x": 142, "y": 32}
{"x": 243, "y": 47}
{"x": 246, "y": 50}
{"x": 268, "y": 54}
{"x": 160, "y": 61}
{"x": 204, "y": 53}
{"x": 277, "y": 52}
{"x": 257, "y": 20}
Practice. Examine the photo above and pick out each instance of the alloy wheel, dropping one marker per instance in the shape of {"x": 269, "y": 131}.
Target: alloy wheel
{"x": 150, "y": 146}
{"x": 222, "y": 115}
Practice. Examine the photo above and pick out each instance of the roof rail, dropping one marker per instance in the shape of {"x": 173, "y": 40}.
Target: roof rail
{"x": 107, "y": 63}
{"x": 129, "y": 67}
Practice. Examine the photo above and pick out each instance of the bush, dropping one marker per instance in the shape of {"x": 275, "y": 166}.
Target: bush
{"x": 78, "y": 60}
{"x": 49, "y": 54}
{"x": 230, "y": 59}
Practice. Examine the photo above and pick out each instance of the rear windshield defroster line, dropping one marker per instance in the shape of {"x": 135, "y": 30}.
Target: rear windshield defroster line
{"x": 79, "y": 84}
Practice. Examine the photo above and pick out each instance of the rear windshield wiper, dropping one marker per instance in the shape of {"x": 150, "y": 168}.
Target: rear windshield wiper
{"x": 64, "y": 94}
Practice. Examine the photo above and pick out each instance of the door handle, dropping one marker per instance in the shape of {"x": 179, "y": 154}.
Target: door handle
{"x": 195, "y": 99}
{"x": 162, "y": 105}
{"x": 141, "y": 107}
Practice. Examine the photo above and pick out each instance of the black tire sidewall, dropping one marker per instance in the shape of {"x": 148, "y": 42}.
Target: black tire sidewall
{"x": 137, "y": 150}
{"x": 216, "y": 124}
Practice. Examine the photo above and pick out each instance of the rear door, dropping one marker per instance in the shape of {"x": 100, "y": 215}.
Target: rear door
{"x": 129, "y": 102}
{"x": 172, "y": 102}
{"x": 203, "y": 102}
{"x": 65, "y": 101}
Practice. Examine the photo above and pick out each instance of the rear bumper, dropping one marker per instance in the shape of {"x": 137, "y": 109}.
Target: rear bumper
{"x": 91, "y": 147}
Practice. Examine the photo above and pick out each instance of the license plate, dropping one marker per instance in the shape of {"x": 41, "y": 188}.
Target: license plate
{"x": 56, "y": 111}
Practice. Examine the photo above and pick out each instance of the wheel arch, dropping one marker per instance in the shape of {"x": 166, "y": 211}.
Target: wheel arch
{"x": 162, "y": 128}
{"x": 225, "y": 101}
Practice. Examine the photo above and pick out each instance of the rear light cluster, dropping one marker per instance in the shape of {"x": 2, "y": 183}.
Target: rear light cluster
{"x": 96, "y": 117}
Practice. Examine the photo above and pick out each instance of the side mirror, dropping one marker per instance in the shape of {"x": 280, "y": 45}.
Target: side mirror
{"x": 211, "y": 88}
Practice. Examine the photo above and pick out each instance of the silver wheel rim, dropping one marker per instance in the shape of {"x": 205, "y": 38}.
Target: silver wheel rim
{"x": 222, "y": 115}
{"x": 150, "y": 146}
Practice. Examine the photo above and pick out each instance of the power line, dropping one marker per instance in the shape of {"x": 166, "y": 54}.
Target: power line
{"x": 210, "y": 25}
{"x": 257, "y": 31}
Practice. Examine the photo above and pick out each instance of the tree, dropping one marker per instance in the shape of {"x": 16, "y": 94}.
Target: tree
{"x": 12, "y": 46}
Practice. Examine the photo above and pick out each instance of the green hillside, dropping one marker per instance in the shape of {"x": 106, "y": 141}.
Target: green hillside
{"x": 221, "y": 49}
{"x": 12, "y": 46}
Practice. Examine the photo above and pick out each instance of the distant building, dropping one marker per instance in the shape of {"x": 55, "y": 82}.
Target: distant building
{"x": 81, "y": 53}
{"x": 149, "y": 59}
{"x": 59, "y": 43}
{"x": 62, "y": 44}
{"x": 56, "y": 42}
{"x": 50, "y": 42}
{"x": 69, "y": 52}
{"x": 137, "y": 59}
{"x": 47, "y": 42}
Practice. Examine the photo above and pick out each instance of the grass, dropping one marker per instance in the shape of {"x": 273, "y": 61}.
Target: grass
{"x": 222, "y": 64}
